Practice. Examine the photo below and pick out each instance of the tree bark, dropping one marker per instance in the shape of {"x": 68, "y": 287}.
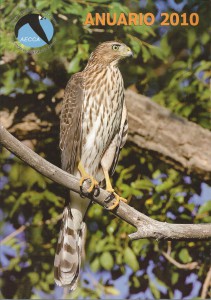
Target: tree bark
{"x": 146, "y": 227}
{"x": 181, "y": 143}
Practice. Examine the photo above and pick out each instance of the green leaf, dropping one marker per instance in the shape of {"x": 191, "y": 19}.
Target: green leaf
{"x": 179, "y": 65}
{"x": 139, "y": 245}
{"x": 106, "y": 260}
{"x": 205, "y": 38}
{"x": 130, "y": 259}
{"x": 118, "y": 8}
{"x": 206, "y": 207}
{"x": 164, "y": 186}
{"x": 20, "y": 201}
{"x": 144, "y": 184}
{"x": 145, "y": 53}
{"x": 192, "y": 39}
{"x": 174, "y": 278}
{"x": 154, "y": 290}
{"x": 184, "y": 256}
{"x": 100, "y": 245}
{"x": 187, "y": 110}
{"x": 110, "y": 290}
{"x": 74, "y": 65}
{"x": 155, "y": 51}
{"x": 34, "y": 277}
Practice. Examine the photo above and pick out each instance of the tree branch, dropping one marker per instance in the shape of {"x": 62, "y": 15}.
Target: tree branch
{"x": 23, "y": 227}
{"x": 188, "y": 266}
{"x": 13, "y": 234}
{"x": 176, "y": 141}
{"x": 183, "y": 144}
{"x": 206, "y": 285}
{"x": 146, "y": 227}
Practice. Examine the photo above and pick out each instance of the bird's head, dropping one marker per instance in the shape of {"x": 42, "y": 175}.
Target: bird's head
{"x": 111, "y": 52}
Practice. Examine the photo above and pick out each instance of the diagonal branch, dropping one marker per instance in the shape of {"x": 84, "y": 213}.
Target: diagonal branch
{"x": 146, "y": 227}
{"x": 175, "y": 140}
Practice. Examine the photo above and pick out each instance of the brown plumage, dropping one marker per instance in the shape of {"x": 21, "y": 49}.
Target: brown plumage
{"x": 93, "y": 130}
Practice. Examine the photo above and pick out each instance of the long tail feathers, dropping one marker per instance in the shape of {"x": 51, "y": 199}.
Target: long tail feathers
{"x": 69, "y": 252}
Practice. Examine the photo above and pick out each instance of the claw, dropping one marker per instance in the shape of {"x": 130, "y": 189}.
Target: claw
{"x": 85, "y": 176}
{"x": 97, "y": 190}
{"x": 94, "y": 183}
{"x": 112, "y": 195}
{"x": 117, "y": 200}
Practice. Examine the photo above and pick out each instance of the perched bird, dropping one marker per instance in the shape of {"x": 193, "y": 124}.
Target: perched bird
{"x": 93, "y": 129}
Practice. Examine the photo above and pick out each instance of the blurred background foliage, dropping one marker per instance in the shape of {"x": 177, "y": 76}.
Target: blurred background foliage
{"x": 171, "y": 65}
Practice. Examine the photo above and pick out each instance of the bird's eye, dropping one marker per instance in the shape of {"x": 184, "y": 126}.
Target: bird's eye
{"x": 115, "y": 47}
{"x": 41, "y": 17}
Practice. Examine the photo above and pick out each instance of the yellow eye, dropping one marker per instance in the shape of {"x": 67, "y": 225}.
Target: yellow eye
{"x": 115, "y": 47}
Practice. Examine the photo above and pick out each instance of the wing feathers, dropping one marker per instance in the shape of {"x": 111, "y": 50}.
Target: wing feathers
{"x": 121, "y": 140}
{"x": 70, "y": 126}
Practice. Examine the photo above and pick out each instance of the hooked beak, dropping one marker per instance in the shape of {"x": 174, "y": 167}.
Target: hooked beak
{"x": 129, "y": 52}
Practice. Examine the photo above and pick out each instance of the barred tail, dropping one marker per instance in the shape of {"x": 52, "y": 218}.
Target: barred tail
{"x": 69, "y": 252}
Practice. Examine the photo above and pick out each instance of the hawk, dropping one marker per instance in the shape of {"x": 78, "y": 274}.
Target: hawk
{"x": 93, "y": 129}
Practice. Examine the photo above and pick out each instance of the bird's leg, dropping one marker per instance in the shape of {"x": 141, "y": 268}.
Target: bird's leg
{"x": 85, "y": 176}
{"x": 110, "y": 189}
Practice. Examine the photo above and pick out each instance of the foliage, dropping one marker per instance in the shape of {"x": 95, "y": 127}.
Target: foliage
{"x": 171, "y": 66}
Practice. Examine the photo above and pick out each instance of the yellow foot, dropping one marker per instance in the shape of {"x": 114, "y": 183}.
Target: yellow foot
{"x": 110, "y": 189}
{"x": 94, "y": 183}
{"x": 117, "y": 200}
{"x": 85, "y": 176}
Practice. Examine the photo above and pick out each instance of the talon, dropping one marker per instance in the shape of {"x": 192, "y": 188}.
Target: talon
{"x": 109, "y": 198}
{"x": 94, "y": 183}
{"x": 123, "y": 199}
{"x": 116, "y": 203}
{"x": 94, "y": 186}
{"x": 117, "y": 200}
{"x": 110, "y": 189}
{"x": 97, "y": 191}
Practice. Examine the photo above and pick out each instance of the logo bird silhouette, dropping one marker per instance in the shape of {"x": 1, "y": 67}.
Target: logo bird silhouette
{"x": 34, "y": 22}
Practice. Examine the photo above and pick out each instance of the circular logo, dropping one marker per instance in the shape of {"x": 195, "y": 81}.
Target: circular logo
{"x": 34, "y": 30}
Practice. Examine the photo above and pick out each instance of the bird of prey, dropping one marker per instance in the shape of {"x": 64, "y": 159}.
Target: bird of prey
{"x": 93, "y": 129}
